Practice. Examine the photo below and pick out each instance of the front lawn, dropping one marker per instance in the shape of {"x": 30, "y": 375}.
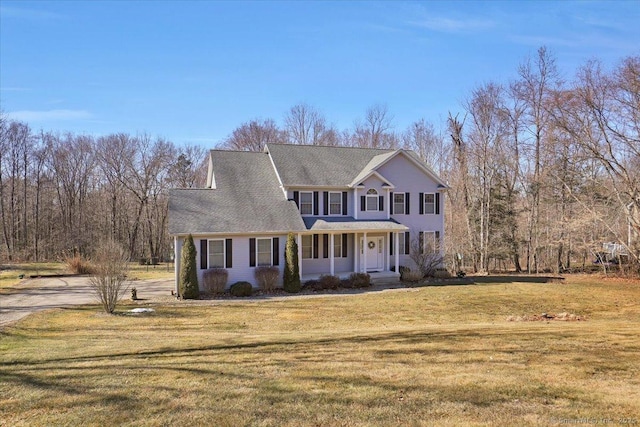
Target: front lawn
{"x": 422, "y": 356}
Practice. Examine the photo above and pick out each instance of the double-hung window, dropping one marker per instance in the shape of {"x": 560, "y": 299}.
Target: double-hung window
{"x": 372, "y": 199}
{"x": 306, "y": 202}
{"x": 431, "y": 242}
{"x": 337, "y": 246}
{"x": 216, "y": 253}
{"x": 429, "y": 203}
{"x": 335, "y": 203}
{"x": 263, "y": 250}
{"x": 398, "y": 203}
{"x": 401, "y": 243}
{"x": 307, "y": 246}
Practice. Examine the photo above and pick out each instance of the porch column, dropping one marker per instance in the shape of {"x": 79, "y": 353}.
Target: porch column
{"x": 388, "y": 237}
{"x": 331, "y": 254}
{"x": 299, "y": 239}
{"x": 356, "y": 252}
{"x": 396, "y": 236}
{"x": 365, "y": 246}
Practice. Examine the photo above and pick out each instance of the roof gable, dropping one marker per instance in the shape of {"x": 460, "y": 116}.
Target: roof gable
{"x": 246, "y": 198}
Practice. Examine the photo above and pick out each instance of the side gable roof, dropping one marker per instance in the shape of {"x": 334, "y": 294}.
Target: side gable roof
{"x": 247, "y": 198}
{"x": 329, "y": 166}
{"x": 315, "y": 165}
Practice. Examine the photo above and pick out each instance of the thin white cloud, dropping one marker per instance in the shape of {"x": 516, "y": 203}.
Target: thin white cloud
{"x": 49, "y": 115}
{"x": 449, "y": 25}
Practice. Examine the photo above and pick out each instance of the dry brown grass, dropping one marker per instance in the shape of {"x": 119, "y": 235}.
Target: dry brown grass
{"x": 424, "y": 356}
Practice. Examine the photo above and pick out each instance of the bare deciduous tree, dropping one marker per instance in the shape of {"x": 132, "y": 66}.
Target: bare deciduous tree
{"x": 110, "y": 265}
{"x": 305, "y": 125}
{"x": 254, "y": 135}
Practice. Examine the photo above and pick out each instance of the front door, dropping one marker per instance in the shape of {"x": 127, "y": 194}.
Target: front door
{"x": 375, "y": 253}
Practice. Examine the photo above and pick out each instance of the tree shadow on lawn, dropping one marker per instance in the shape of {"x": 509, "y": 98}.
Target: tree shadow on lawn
{"x": 270, "y": 347}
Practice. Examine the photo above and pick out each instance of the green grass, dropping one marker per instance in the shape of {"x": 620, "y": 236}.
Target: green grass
{"x": 423, "y": 356}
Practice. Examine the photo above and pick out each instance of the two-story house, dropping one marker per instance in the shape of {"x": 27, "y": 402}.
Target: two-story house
{"x": 351, "y": 209}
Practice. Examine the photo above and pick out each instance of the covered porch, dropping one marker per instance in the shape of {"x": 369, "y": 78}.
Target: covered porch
{"x": 341, "y": 246}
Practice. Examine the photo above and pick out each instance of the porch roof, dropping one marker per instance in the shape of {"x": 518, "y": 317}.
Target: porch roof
{"x": 351, "y": 224}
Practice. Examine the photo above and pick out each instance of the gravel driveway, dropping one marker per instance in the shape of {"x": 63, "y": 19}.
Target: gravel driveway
{"x": 39, "y": 294}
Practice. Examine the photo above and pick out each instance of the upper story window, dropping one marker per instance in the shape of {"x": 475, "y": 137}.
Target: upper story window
{"x": 372, "y": 200}
{"x": 306, "y": 202}
{"x": 335, "y": 203}
{"x": 429, "y": 203}
{"x": 398, "y": 203}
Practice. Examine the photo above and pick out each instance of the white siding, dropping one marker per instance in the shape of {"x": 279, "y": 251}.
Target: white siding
{"x": 375, "y": 183}
{"x": 240, "y": 270}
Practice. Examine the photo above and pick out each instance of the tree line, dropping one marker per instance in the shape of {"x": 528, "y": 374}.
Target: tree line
{"x": 541, "y": 170}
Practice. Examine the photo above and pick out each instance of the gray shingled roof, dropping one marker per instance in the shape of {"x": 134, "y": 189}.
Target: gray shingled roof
{"x": 351, "y": 224}
{"x": 247, "y": 199}
{"x": 301, "y": 165}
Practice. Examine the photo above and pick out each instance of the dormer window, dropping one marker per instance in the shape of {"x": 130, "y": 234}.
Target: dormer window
{"x": 372, "y": 199}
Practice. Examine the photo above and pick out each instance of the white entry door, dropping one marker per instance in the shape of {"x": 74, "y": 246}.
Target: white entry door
{"x": 374, "y": 247}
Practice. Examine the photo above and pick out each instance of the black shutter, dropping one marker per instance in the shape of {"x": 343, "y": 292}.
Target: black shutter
{"x": 407, "y": 243}
{"x": 421, "y": 202}
{"x": 437, "y": 203}
{"x": 316, "y": 203}
{"x": 325, "y": 198}
{"x": 390, "y": 243}
{"x": 315, "y": 245}
{"x": 421, "y": 241}
{"x": 276, "y": 251}
{"x": 406, "y": 203}
{"x": 296, "y": 198}
{"x": 363, "y": 202}
{"x": 381, "y": 203}
{"x": 391, "y": 204}
{"x": 203, "y": 254}
{"x": 344, "y": 245}
{"x": 228, "y": 250}
{"x": 252, "y": 252}
{"x": 325, "y": 246}
{"x": 344, "y": 203}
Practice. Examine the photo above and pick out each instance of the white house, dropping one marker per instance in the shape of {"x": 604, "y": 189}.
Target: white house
{"x": 351, "y": 209}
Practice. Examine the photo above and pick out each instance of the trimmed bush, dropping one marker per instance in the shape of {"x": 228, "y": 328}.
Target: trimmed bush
{"x": 267, "y": 277}
{"x": 241, "y": 289}
{"x": 215, "y": 280}
{"x": 291, "y": 280}
{"x": 188, "y": 280}
{"x": 311, "y": 285}
{"x": 360, "y": 280}
{"x": 327, "y": 281}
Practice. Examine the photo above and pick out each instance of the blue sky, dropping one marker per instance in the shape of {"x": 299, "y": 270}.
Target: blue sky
{"x": 193, "y": 71}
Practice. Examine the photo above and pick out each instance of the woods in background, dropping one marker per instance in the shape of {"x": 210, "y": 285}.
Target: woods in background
{"x": 542, "y": 171}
